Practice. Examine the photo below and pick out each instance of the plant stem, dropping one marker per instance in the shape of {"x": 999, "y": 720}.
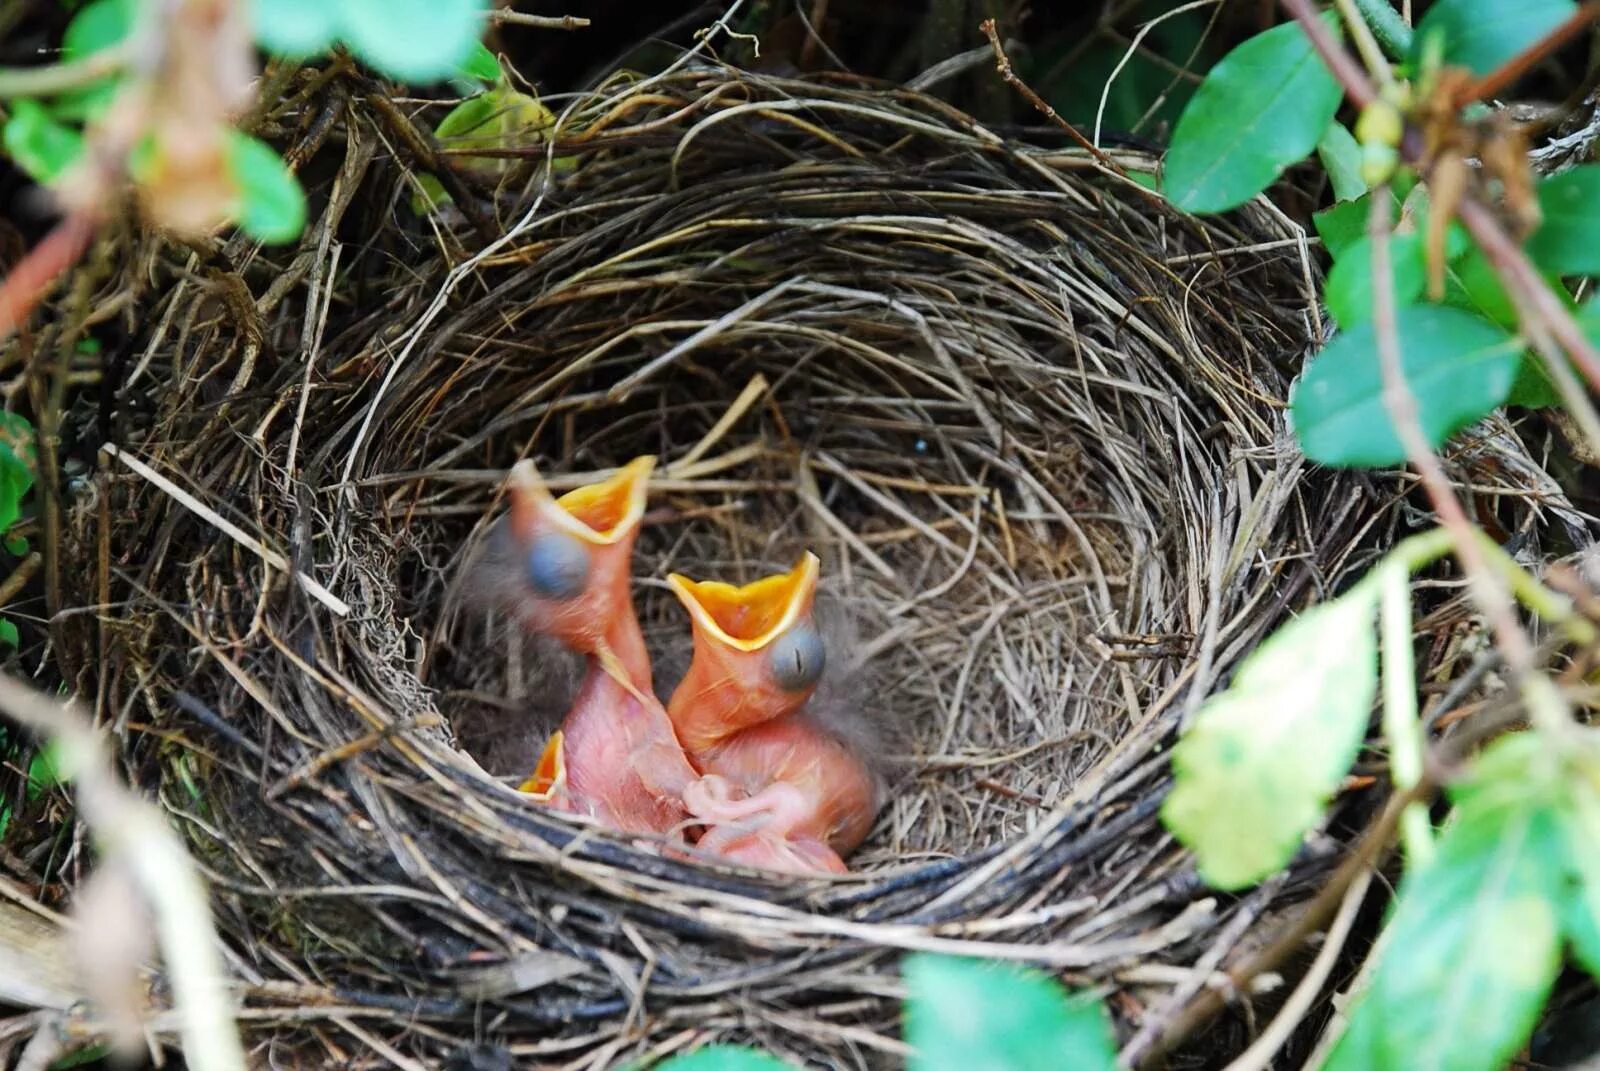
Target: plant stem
{"x": 1549, "y": 605}
{"x": 57, "y": 78}
{"x": 1401, "y": 725}
{"x": 1491, "y": 596}
{"x": 1357, "y": 86}
{"x": 1387, "y": 26}
{"x": 1365, "y": 43}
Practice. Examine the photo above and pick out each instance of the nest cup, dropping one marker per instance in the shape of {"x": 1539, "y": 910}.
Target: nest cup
{"x": 1029, "y": 416}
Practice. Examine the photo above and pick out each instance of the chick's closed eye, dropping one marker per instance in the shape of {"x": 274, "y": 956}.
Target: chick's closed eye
{"x": 798, "y": 657}
{"x": 557, "y": 566}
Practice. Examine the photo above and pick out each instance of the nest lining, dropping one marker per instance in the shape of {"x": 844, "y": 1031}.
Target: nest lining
{"x": 1029, "y": 416}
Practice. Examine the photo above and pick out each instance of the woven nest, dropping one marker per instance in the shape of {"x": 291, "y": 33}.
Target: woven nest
{"x": 1030, "y": 417}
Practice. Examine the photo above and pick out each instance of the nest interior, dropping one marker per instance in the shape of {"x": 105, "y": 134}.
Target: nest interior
{"x": 1029, "y": 416}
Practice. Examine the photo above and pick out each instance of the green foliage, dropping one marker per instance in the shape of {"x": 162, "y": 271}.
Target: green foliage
{"x": 272, "y": 206}
{"x": 1349, "y": 291}
{"x": 412, "y": 40}
{"x": 1255, "y": 769}
{"x": 45, "y": 770}
{"x": 295, "y": 28}
{"x": 1459, "y": 367}
{"x": 1264, "y": 106}
{"x": 499, "y": 118}
{"x": 8, "y": 633}
{"x": 1340, "y": 154}
{"x": 18, "y": 466}
{"x": 964, "y": 1014}
{"x": 970, "y": 1015}
{"x": 1481, "y": 927}
{"x": 481, "y": 64}
{"x": 1483, "y": 34}
{"x": 96, "y": 27}
{"x": 1342, "y": 224}
{"x": 1568, "y": 241}
{"x": 41, "y": 146}
{"x": 725, "y": 1058}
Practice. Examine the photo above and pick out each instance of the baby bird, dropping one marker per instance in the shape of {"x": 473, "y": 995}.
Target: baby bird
{"x": 779, "y": 791}
{"x": 615, "y": 756}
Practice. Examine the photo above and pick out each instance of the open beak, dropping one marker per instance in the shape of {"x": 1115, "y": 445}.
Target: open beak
{"x": 751, "y": 617}
{"x": 599, "y": 514}
{"x": 550, "y": 776}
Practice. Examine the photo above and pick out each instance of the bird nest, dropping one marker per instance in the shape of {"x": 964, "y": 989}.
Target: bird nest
{"x": 1030, "y": 416}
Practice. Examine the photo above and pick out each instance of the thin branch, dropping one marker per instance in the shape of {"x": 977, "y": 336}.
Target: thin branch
{"x": 1528, "y": 289}
{"x": 1498, "y": 80}
{"x": 1357, "y": 86}
{"x": 56, "y": 78}
{"x": 542, "y": 22}
{"x": 1002, "y": 63}
{"x": 1401, "y": 405}
{"x": 1366, "y": 44}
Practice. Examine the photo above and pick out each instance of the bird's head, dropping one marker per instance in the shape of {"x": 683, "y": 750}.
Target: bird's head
{"x": 572, "y": 554}
{"x": 756, "y": 647}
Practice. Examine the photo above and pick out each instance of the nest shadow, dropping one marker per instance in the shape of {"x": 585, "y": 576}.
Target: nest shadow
{"x": 1029, "y": 415}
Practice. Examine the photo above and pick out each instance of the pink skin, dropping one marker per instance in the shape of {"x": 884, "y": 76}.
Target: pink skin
{"x": 765, "y": 830}
{"x": 779, "y": 792}
{"x": 617, "y": 758}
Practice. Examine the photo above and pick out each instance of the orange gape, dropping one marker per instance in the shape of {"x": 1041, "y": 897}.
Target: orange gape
{"x": 616, "y": 756}
{"x": 779, "y": 791}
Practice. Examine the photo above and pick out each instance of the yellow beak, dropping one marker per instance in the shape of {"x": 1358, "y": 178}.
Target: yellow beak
{"x": 599, "y": 513}
{"x": 748, "y": 618}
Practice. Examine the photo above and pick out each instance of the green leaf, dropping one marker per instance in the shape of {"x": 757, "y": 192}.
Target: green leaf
{"x": 16, "y": 546}
{"x": 1340, "y": 154}
{"x": 429, "y": 194}
{"x": 272, "y": 206}
{"x": 1255, "y": 769}
{"x": 294, "y": 28}
{"x": 725, "y": 1058}
{"x": 45, "y": 770}
{"x": 8, "y": 633}
{"x": 41, "y": 146}
{"x": 1568, "y": 241}
{"x": 481, "y": 64}
{"x": 1262, "y": 108}
{"x": 1483, "y": 34}
{"x": 1580, "y": 912}
{"x": 18, "y": 466}
{"x": 1459, "y": 368}
{"x": 973, "y": 1015}
{"x": 1341, "y": 224}
{"x": 96, "y": 27}
{"x": 413, "y": 40}
{"x": 1349, "y": 290}
{"x": 1473, "y": 946}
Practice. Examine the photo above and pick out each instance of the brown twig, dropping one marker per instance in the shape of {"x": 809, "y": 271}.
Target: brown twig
{"x": 1401, "y": 405}
{"x": 506, "y": 16}
{"x": 1002, "y": 63}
